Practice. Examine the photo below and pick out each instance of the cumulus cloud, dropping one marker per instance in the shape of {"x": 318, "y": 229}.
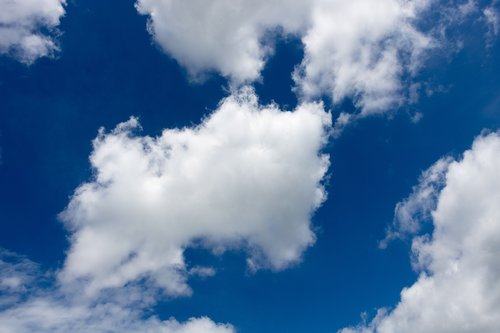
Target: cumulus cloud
{"x": 27, "y": 305}
{"x": 361, "y": 49}
{"x": 357, "y": 49}
{"x": 222, "y": 35}
{"x": 369, "y": 51}
{"x": 248, "y": 177}
{"x": 458, "y": 287}
{"x": 26, "y": 28}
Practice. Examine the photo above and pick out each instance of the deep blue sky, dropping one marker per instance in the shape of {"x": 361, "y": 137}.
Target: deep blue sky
{"x": 108, "y": 69}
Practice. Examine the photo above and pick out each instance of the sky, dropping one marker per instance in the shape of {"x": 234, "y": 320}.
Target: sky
{"x": 183, "y": 166}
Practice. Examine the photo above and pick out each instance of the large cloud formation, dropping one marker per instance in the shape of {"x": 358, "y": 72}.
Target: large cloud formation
{"x": 358, "y": 49}
{"x": 24, "y": 25}
{"x": 458, "y": 289}
{"x": 247, "y": 177}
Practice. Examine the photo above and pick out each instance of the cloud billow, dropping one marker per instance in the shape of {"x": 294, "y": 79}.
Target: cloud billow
{"x": 358, "y": 49}
{"x": 457, "y": 290}
{"x": 247, "y": 177}
{"x": 27, "y": 28}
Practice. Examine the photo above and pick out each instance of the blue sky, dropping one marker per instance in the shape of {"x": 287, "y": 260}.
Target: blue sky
{"x": 259, "y": 219}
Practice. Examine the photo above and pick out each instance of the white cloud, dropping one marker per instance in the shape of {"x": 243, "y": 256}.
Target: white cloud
{"x": 366, "y": 50}
{"x": 23, "y": 26}
{"x": 50, "y": 310}
{"x": 356, "y": 49}
{"x": 361, "y": 49}
{"x": 341, "y": 123}
{"x": 48, "y": 314}
{"x": 458, "y": 288}
{"x": 221, "y": 35}
{"x": 17, "y": 276}
{"x": 411, "y": 212}
{"x": 247, "y": 177}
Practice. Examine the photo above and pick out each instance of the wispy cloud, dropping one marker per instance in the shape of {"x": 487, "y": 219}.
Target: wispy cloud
{"x": 34, "y": 301}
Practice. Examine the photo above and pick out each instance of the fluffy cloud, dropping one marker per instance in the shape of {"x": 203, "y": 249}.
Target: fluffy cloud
{"x": 247, "y": 177}
{"x": 356, "y": 49}
{"x": 24, "y": 25}
{"x": 361, "y": 49}
{"x": 458, "y": 288}
{"x": 365, "y": 50}
{"x": 28, "y": 306}
{"x": 222, "y": 35}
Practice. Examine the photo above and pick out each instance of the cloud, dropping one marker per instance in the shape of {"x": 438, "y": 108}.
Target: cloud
{"x": 457, "y": 289}
{"x": 27, "y": 26}
{"x": 361, "y": 49}
{"x": 411, "y": 212}
{"x": 492, "y": 20}
{"x": 247, "y": 177}
{"x": 357, "y": 49}
{"x": 27, "y": 305}
{"x": 17, "y": 277}
{"x": 368, "y": 51}
{"x": 492, "y": 17}
{"x": 222, "y": 35}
